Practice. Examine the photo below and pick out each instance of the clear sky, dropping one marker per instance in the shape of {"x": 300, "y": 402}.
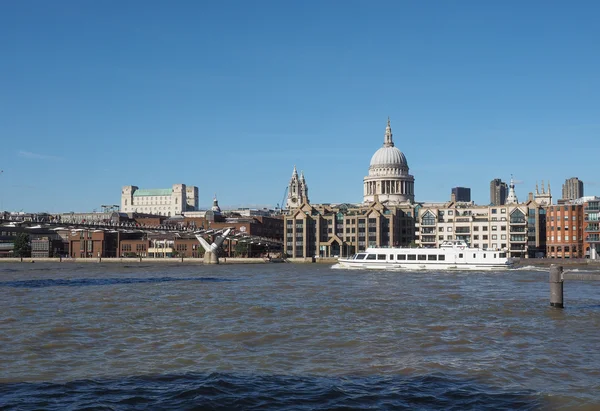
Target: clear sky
{"x": 230, "y": 95}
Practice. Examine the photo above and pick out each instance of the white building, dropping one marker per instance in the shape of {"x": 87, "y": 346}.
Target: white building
{"x": 516, "y": 228}
{"x": 159, "y": 201}
{"x": 388, "y": 178}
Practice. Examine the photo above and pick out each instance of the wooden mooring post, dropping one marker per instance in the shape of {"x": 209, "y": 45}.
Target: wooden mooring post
{"x": 557, "y": 279}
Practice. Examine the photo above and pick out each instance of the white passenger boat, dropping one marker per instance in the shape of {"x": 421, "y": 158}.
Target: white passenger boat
{"x": 451, "y": 255}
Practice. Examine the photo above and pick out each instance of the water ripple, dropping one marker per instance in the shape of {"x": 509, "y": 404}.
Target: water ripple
{"x": 219, "y": 391}
{"x": 84, "y": 282}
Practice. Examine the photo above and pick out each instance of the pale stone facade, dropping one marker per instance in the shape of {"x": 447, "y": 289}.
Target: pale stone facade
{"x": 341, "y": 230}
{"x": 297, "y": 191}
{"x": 518, "y": 228}
{"x": 389, "y": 179}
{"x": 163, "y": 201}
{"x": 385, "y": 218}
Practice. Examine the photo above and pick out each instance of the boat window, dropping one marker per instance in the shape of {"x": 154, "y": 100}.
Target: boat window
{"x": 422, "y": 257}
{"x": 460, "y": 255}
{"x": 391, "y": 256}
{"x": 474, "y": 255}
{"x": 441, "y": 257}
{"x": 381, "y": 256}
{"x": 502, "y": 255}
{"x": 401, "y": 257}
{"x": 371, "y": 256}
{"x": 412, "y": 257}
{"x": 432, "y": 257}
{"x": 360, "y": 256}
{"x": 484, "y": 255}
{"x": 494, "y": 255}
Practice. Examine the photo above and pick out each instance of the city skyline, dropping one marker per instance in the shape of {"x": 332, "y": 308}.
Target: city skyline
{"x": 94, "y": 99}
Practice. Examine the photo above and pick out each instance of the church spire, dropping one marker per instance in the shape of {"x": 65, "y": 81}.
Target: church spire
{"x": 512, "y": 197}
{"x": 388, "y": 142}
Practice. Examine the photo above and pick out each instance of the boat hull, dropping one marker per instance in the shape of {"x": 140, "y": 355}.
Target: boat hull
{"x": 451, "y": 255}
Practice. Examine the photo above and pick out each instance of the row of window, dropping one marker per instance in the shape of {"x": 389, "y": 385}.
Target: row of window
{"x": 400, "y": 257}
{"x": 416, "y": 257}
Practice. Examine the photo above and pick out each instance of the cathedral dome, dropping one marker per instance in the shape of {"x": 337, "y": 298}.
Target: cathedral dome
{"x": 389, "y": 156}
{"x": 389, "y": 179}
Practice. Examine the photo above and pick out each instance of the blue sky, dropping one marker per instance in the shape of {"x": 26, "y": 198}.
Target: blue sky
{"x": 229, "y": 96}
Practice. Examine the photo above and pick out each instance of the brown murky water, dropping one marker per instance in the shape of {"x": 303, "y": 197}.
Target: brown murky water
{"x": 299, "y": 336}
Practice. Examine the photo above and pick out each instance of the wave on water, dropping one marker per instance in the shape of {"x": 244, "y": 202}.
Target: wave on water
{"x": 530, "y": 268}
{"x": 250, "y": 392}
{"x": 82, "y": 282}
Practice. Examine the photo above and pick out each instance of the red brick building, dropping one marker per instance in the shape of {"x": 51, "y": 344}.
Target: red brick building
{"x": 564, "y": 231}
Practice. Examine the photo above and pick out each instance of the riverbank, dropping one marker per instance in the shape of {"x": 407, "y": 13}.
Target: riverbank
{"x": 124, "y": 260}
{"x": 536, "y": 262}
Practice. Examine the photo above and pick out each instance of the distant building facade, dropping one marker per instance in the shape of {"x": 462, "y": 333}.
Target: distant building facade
{"x": 518, "y": 228}
{"x": 385, "y": 218}
{"x": 543, "y": 197}
{"x": 591, "y": 212}
{"x": 462, "y": 194}
{"x": 297, "y": 191}
{"x": 564, "y": 231}
{"x": 498, "y": 191}
{"x": 572, "y": 189}
{"x": 162, "y": 201}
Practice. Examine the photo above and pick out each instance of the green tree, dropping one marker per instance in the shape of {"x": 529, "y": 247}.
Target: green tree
{"x": 22, "y": 247}
{"x": 241, "y": 249}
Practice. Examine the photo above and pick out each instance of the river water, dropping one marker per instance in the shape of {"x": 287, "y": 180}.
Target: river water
{"x": 287, "y": 336}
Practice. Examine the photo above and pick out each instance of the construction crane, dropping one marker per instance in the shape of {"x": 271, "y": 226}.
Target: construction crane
{"x": 283, "y": 200}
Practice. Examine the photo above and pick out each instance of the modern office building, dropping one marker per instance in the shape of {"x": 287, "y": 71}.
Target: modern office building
{"x": 162, "y": 201}
{"x": 572, "y": 189}
{"x": 498, "y": 191}
{"x": 591, "y": 221}
{"x": 461, "y": 194}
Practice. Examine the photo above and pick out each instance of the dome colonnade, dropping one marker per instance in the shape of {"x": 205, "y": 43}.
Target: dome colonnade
{"x": 389, "y": 177}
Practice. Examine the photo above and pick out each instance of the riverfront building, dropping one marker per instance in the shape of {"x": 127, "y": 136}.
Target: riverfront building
{"x": 573, "y": 229}
{"x": 384, "y": 218}
{"x": 564, "y": 231}
{"x": 591, "y": 213}
{"x": 162, "y": 201}
{"x": 518, "y": 228}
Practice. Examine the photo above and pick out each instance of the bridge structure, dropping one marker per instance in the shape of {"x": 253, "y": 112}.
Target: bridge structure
{"x": 41, "y": 225}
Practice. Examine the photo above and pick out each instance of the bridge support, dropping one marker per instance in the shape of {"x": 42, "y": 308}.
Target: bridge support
{"x": 211, "y": 258}
{"x": 557, "y": 279}
{"x": 556, "y": 286}
{"x": 211, "y": 250}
